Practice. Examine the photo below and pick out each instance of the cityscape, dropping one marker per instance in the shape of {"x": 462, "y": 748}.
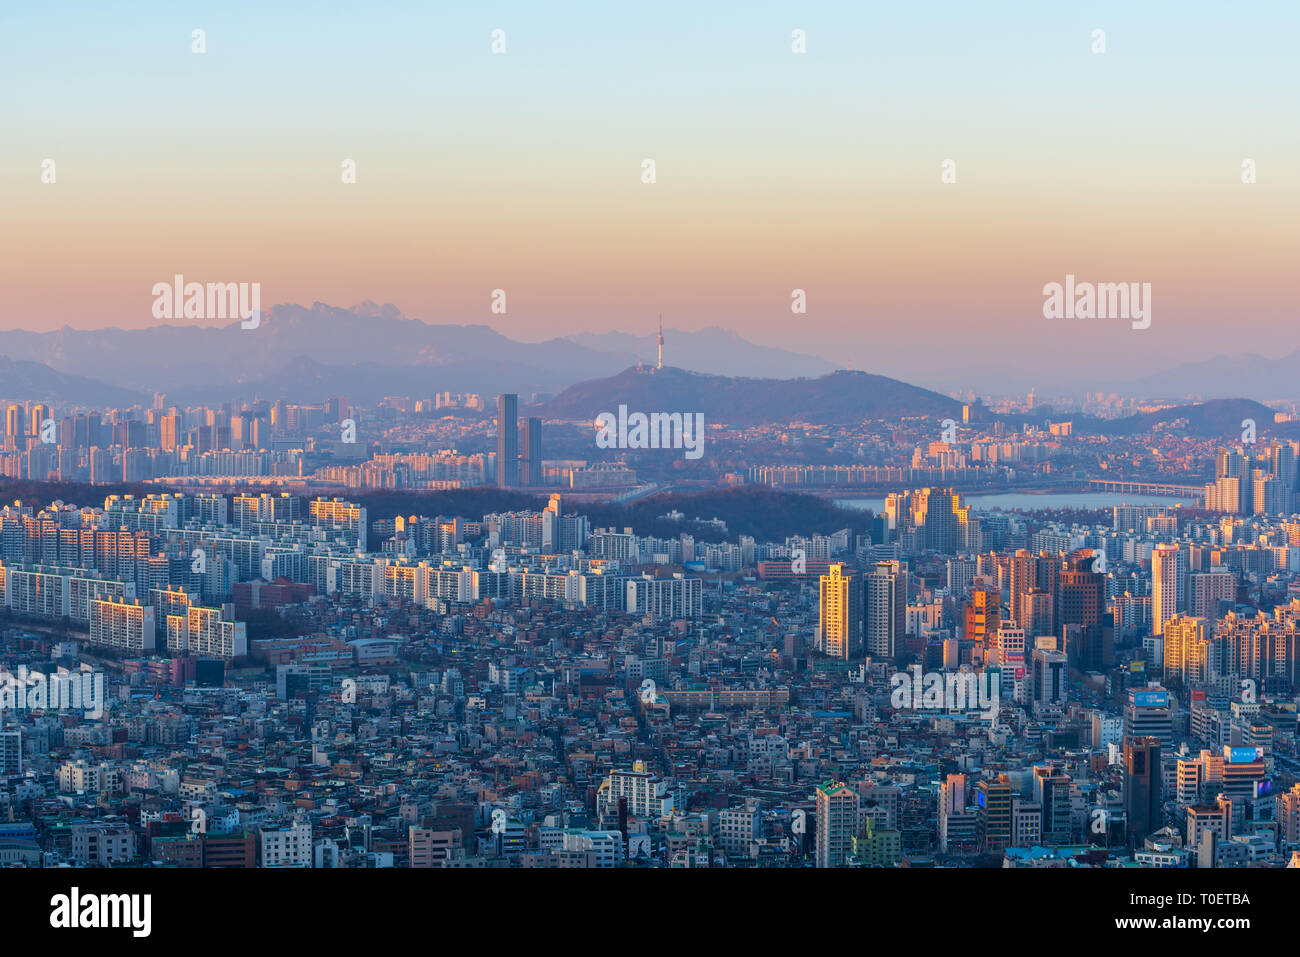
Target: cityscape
{"x": 233, "y": 636}
{"x": 476, "y": 439}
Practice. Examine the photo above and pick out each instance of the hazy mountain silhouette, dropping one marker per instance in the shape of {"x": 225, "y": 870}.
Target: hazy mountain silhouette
{"x": 836, "y": 398}
{"x": 1217, "y": 417}
{"x": 366, "y": 352}
{"x": 1228, "y": 376}
{"x": 713, "y": 350}
{"x": 21, "y": 380}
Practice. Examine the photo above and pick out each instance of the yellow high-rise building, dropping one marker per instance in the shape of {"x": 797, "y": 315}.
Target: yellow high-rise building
{"x": 839, "y": 630}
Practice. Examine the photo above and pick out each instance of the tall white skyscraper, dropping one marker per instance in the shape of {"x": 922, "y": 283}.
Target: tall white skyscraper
{"x": 884, "y": 609}
{"x": 1166, "y": 586}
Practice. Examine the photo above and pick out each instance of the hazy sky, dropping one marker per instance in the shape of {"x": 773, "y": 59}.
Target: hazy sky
{"x": 775, "y": 170}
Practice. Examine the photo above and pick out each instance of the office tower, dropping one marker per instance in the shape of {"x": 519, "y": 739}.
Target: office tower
{"x": 885, "y": 609}
{"x": 983, "y": 616}
{"x": 839, "y": 629}
{"x": 1052, "y": 794}
{"x": 1009, "y": 653}
{"x": 1037, "y": 612}
{"x": 1051, "y": 672}
{"x": 1147, "y": 714}
{"x": 1186, "y": 649}
{"x": 837, "y": 823}
{"x": 530, "y": 455}
{"x": 507, "y": 440}
{"x": 1245, "y": 777}
{"x": 1167, "y": 584}
{"x": 1026, "y": 823}
{"x": 993, "y": 814}
{"x": 1142, "y": 788}
{"x": 957, "y": 824}
{"x": 1082, "y": 602}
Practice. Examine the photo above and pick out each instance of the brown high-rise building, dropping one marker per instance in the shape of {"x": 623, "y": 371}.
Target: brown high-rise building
{"x": 1081, "y": 600}
{"x": 993, "y": 814}
{"x": 983, "y": 615}
{"x": 1142, "y": 788}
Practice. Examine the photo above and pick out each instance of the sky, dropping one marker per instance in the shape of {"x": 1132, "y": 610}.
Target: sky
{"x": 774, "y": 170}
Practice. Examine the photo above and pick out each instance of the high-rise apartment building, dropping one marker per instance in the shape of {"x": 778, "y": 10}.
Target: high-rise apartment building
{"x": 885, "y": 609}
{"x": 507, "y": 440}
{"x": 1167, "y": 583}
{"x": 530, "y": 455}
{"x": 839, "y": 627}
{"x": 1186, "y": 648}
{"x": 837, "y": 823}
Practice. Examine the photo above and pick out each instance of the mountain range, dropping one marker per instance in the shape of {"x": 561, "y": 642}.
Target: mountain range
{"x": 367, "y": 352}
{"x": 838, "y": 398}
{"x": 1228, "y": 376}
{"x": 307, "y": 353}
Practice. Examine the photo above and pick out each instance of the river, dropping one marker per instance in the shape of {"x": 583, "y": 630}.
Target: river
{"x": 1032, "y": 500}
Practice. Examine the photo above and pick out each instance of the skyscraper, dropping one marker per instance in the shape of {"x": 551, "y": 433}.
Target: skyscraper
{"x": 837, "y": 823}
{"x": 885, "y": 609}
{"x": 14, "y": 427}
{"x": 1147, "y": 714}
{"x": 839, "y": 628}
{"x": 983, "y": 615}
{"x": 1186, "y": 644}
{"x": 1166, "y": 585}
{"x": 993, "y": 814}
{"x": 1050, "y": 684}
{"x": 530, "y": 455}
{"x": 507, "y": 440}
{"x": 1082, "y": 602}
{"x": 1142, "y": 788}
